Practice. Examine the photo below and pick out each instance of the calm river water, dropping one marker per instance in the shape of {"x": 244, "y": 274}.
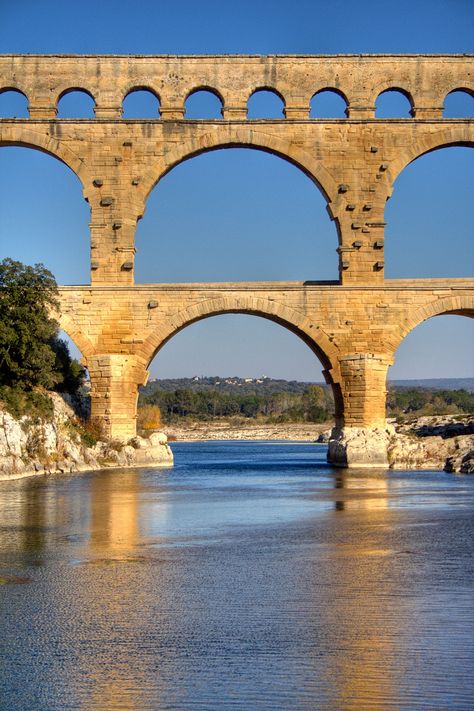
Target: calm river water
{"x": 250, "y": 576}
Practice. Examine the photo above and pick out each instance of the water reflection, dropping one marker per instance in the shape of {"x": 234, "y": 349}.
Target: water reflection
{"x": 363, "y": 613}
{"x": 114, "y": 513}
{"x": 361, "y": 489}
{"x": 265, "y": 581}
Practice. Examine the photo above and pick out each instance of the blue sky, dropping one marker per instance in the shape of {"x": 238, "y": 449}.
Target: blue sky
{"x": 241, "y": 205}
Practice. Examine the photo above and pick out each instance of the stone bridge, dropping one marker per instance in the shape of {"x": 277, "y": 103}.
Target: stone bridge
{"x": 353, "y": 325}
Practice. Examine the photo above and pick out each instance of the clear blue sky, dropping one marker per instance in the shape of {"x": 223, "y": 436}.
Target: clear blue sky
{"x": 241, "y": 205}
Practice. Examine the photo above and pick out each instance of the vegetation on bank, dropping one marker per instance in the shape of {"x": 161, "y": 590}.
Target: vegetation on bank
{"x": 33, "y": 359}
{"x": 269, "y": 401}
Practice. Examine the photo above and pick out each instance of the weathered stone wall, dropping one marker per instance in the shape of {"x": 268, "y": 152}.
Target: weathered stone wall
{"x": 355, "y": 331}
{"x": 354, "y": 325}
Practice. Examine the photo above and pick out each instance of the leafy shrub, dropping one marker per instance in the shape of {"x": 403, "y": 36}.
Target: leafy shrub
{"x": 149, "y": 418}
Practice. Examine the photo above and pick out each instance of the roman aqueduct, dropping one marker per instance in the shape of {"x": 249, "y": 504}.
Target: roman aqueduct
{"x": 355, "y": 324}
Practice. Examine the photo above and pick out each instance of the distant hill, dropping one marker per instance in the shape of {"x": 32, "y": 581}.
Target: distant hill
{"x": 233, "y": 385}
{"x": 436, "y": 384}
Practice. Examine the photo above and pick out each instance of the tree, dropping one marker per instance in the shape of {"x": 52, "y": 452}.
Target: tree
{"x": 31, "y": 353}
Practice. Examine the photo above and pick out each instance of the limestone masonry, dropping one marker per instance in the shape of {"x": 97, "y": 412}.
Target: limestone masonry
{"x": 353, "y": 325}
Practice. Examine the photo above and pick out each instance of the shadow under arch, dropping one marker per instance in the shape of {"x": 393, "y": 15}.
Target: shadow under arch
{"x": 449, "y": 305}
{"x": 252, "y": 139}
{"x": 290, "y": 319}
{"x": 22, "y": 137}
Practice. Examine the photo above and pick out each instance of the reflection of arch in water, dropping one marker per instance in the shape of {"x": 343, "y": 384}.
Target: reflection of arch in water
{"x": 299, "y": 324}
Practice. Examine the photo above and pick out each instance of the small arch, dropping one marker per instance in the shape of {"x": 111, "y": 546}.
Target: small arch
{"x": 203, "y": 103}
{"x": 459, "y": 103}
{"x": 76, "y": 103}
{"x": 394, "y": 103}
{"x": 265, "y": 103}
{"x": 141, "y": 103}
{"x": 13, "y": 103}
{"x": 328, "y": 103}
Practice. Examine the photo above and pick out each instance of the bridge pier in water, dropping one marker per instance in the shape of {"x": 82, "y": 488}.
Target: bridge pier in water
{"x": 358, "y": 438}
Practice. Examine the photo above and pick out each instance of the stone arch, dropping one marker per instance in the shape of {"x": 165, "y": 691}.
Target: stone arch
{"x": 204, "y": 88}
{"x": 20, "y": 92}
{"x": 27, "y": 138}
{"x": 73, "y": 330}
{"x": 456, "y": 305}
{"x": 72, "y": 89}
{"x": 464, "y": 92}
{"x": 397, "y": 90}
{"x": 133, "y": 86}
{"x": 208, "y": 88}
{"x": 329, "y": 90}
{"x": 269, "y": 90}
{"x": 296, "y": 322}
{"x": 246, "y": 138}
{"x": 138, "y": 89}
{"x": 460, "y": 135}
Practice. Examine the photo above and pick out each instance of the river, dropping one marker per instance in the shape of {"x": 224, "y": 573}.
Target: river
{"x": 250, "y": 576}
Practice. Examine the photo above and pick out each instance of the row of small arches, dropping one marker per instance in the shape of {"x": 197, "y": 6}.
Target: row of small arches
{"x": 206, "y": 103}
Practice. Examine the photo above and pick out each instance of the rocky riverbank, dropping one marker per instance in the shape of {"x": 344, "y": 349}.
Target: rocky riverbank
{"x": 58, "y": 445}
{"x": 222, "y": 430}
{"x": 437, "y": 442}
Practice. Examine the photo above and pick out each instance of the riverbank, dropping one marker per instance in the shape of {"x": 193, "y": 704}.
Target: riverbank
{"x": 58, "y": 445}
{"x": 224, "y": 430}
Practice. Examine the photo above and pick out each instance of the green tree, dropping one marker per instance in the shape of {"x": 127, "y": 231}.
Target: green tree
{"x": 31, "y": 353}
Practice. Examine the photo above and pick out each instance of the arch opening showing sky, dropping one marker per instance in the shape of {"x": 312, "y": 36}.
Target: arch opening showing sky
{"x": 430, "y": 217}
{"x": 237, "y": 345}
{"x": 43, "y": 215}
{"x": 236, "y": 214}
{"x": 441, "y": 347}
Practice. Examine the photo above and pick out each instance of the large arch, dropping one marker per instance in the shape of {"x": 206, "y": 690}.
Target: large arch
{"x": 237, "y": 214}
{"x": 293, "y": 321}
{"x": 457, "y": 305}
{"x": 69, "y": 325}
{"x": 457, "y": 135}
{"x": 429, "y": 218}
{"x": 296, "y": 322}
{"x": 227, "y": 137}
{"x": 23, "y": 136}
{"x": 44, "y": 218}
